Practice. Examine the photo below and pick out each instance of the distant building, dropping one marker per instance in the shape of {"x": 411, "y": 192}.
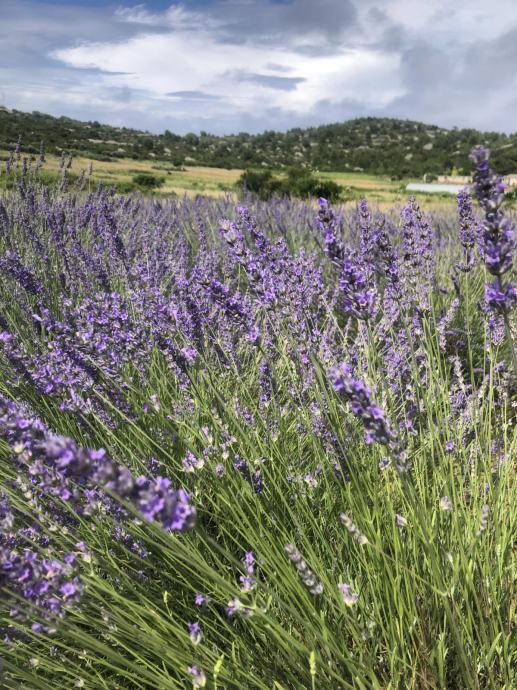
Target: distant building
{"x": 433, "y": 188}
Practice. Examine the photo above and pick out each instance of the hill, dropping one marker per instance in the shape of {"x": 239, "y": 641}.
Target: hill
{"x": 398, "y": 148}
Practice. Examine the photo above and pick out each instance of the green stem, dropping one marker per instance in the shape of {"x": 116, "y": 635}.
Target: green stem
{"x": 511, "y": 343}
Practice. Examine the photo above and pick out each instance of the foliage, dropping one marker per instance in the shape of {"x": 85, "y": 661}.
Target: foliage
{"x": 384, "y": 146}
{"x": 148, "y": 182}
{"x": 260, "y": 182}
{"x": 298, "y": 183}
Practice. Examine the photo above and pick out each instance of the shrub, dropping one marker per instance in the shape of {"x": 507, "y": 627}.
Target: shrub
{"x": 147, "y": 182}
{"x": 299, "y": 183}
{"x": 307, "y": 185}
{"x": 259, "y": 182}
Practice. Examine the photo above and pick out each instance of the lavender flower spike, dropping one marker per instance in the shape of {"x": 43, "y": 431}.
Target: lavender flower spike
{"x": 329, "y": 226}
{"x": 377, "y": 427}
{"x": 468, "y": 234}
{"x": 308, "y": 578}
{"x": 359, "y": 296}
{"x": 61, "y": 468}
{"x": 498, "y": 235}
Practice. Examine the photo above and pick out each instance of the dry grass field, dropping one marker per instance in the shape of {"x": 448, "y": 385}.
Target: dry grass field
{"x": 215, "y": 182}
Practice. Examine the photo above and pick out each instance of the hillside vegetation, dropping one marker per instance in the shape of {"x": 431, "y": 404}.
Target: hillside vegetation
{"x": 398, "y": 148}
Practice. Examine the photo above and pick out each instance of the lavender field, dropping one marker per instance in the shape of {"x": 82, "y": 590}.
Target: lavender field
{"x": 264, "y": 446}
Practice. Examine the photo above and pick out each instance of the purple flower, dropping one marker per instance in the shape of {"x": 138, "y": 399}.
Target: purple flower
{"x": 249, "y": 561}
{"x": 376, "y": 248}
{"x": 63, "y": 469}
{"x": 201, "y": 599}
{"x": 359, "y": 295}
{"x": 248, "y": 581}
{"x": 377, "y": 427}
{"x": 198, "y": 677}
{"x": 158, "y": 502}
{"x": 49, "y": 585}
{"x": 501, "y": 299}
{"x": 367, "y": 238}
{"x": 469, "y": 230}
{"x": 498, "y": 234}
{"x": 329, "y": 226}
{"x": 349, "y": 597}
{"x": 69, "y": 590}
{"x": 417, "y": 254}
{"x": 237, "y": 608}
{"x": 6, "y": 516}
{"x": 12, "y": 265}
{"x": 194, "y": 631}
{"x": 191, "y": 463}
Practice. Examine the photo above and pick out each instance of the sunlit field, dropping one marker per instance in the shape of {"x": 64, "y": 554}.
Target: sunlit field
{"x": 190, "y": 181}
{"x": 255, "y": 445}
{"x": 216, "y": 182}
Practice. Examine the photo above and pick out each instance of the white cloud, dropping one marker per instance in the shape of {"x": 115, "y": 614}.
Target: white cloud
{"x": 175, "y": 17}
{"x": 195, "y": 60}
{"x": 442, "y": 62}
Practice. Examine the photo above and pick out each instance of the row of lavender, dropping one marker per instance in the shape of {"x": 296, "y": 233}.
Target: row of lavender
{"x": 161, "y": 360}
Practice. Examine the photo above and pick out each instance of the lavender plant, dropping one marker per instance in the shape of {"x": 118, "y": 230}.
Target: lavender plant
{"x": 498, "y": 242}
{"x": 184, "y": 387}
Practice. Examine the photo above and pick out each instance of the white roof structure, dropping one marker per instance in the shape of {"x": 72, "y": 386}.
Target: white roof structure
{"x": 433, "y": 187}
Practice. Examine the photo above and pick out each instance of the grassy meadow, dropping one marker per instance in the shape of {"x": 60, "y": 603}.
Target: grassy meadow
{"x": 215, "y": 182}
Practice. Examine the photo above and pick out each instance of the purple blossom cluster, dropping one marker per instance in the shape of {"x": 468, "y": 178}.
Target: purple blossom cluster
{"x": 38, "y": 586}
{"x": 57, "y": 467}
{"x": 328, "y": 224}
{"x": 12, "y": 265}
{"x": 377, "y": 427}
{"x": 358, "y": 292}
{"x": 417, "y": 255}
{"x": 376, "y": 248}
{"x": 469, "y": 230}
{"x": 48, "y": 585}
{"x": 498, "y": 234}
{"x": 248, "y": 581}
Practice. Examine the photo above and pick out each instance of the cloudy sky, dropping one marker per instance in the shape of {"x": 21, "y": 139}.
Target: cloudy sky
{"x": 247, "y": 65}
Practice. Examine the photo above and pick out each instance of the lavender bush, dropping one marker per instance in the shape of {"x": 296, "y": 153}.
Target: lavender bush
{"x": 264, "y": 446}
